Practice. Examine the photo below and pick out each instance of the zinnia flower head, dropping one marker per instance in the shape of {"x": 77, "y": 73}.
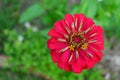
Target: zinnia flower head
{"x": 76, "y": 43}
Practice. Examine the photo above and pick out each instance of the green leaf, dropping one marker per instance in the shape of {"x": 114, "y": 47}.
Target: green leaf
{"x": 88, "y": 7}
{"x": 31, "y": 13}
{"x": 92, "y": 8}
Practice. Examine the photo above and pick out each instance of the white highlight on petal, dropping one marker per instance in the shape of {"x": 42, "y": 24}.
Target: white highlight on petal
{"x": 66, "y": 23}
{"x": 90, "y": 28}
{"x": 89, "y": 54}
{"x": 92, "y": 41}
{"x": 64, "y": 49}
{"x": 70, "y": 58}
{"x": 77, "y": 54}
{"x": 76, "y": 21}
{"x": 93, "y": 35}
{"x": 66, "y": 36}
{"x": 94, "y": 49}
{"x": 61, "y": 40}
{"x": 99, "y": 42}
{"x": 67, "y": 29}
{"x": 81, "y": 23}
{"x": 73, "y": 25}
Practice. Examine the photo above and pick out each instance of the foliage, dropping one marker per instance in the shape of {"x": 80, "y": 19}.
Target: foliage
{"x": 8, "y": 17}
{"x": 9, "y": 13}
{"x": 9, "y": 75}
{"x": 30, "y": 54}
{"x": 27, "y": 48}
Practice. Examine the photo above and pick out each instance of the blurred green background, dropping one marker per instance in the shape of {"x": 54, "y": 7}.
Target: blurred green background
{"x": 23, "y": 34}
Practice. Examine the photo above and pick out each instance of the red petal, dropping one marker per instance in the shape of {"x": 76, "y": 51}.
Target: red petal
{"x": 59, "y": 27}
{"x": 79, "y": 18}
{"x": 73, "y": 58}
{"x": 67, "y": 67}
{"x": 98, "y": 36}
{"x": 97, "y": 55}
{"x": 65, "y": 56}
{"x": 87, "y": 23}
{"x": 55, "y": 40}
{"x": 53, "y": 33}
{"x": 81, "y": 60}
{"x": 64, "y": 66}
{"x": 63, "y": 63}
{"x": 55, "y": 56}
{"x": 97, "y": 45}
{"x": 89, "y": 61}
{"x": 78, "y": 63}
{"x": 56, "y": 45}
{"x": 76, "y": 68}
{"x": 69, "y": 19}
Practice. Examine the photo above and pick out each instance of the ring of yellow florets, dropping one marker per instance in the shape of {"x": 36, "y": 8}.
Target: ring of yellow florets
{"x": 77, "y": 45}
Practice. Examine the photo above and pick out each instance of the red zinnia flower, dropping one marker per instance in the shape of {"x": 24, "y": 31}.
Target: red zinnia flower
{"x": 76, "y": 43}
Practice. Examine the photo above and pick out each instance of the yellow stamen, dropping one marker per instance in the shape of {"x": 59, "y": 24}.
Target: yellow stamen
{"x": 72, "y": 47}
{"x": 84, "y": 46}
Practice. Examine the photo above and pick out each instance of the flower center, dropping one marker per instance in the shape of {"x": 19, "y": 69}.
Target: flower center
{"x": 77, "y": 41}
